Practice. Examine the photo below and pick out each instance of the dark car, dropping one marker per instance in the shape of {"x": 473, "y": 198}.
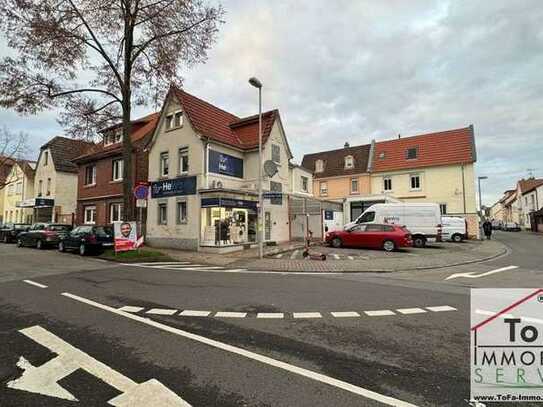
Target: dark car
{"x": 371, "y": 236}
{"x": 10, "y": 231}
{"x": 42, "y": 235}
{"x": 86, "y": 239}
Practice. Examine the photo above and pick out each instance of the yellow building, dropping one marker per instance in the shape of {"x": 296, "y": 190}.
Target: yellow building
{"x": 6, "y": 164}
{"x": 19, "y": 193}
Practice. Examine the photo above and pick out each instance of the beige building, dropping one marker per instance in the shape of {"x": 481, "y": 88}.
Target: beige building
{"x": 19, "y": 193}
{"x": 6, "y": 164}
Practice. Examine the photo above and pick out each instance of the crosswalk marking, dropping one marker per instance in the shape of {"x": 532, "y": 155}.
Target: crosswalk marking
{"x": 279, "y": 256}
{"x": 408, "y": 311}
{"x": 161, "y": 311}
{"x": 345, "y": 314}
{"x": 380, "y": 313}
{"x": 183, "y": 266}
{"x": 307, "y": 315}
{"x": 294, "y": 253}
{"x": 441, "y": 308}
{"x": 225, "y": 314}
{"x": 335, "y": 256}
{"x": 270, "y": 315}
{"x": 192, "y": 313}
{"x": 130, "y": 308}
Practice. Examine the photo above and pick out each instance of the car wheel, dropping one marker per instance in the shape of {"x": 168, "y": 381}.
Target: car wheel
{"x": 82, "y": 249}
{"x": 336, "y": 242}
{"x": 457, "y": 238}
{"x": 39, "y": 245}
{"x": 419, "y": 241}
{"x": 61, "y": 247}
{"x": 19, "y": 243}
{"x": 389, "y": 246}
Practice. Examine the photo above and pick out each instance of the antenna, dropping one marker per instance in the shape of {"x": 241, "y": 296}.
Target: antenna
{"x": 530, "y": 172}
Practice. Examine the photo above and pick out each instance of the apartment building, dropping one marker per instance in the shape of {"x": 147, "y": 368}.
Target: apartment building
{"x": 19, "y": 199}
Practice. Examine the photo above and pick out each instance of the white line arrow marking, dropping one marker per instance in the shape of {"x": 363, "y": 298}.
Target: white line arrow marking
{"x": 44, "y": 379}
{"x": 488, "y": 273}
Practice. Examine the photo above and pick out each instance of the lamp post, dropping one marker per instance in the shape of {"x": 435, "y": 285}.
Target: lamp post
{"x": 480, "y": 201}
{"x": 260, "y": 230}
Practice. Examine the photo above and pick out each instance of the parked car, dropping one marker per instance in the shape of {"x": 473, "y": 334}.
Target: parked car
{"x": 453, "y": 228}
{"x": 422, "y": 219}
{"x": 42, "y": 235}
{"x": 511, "y": 227}
{"x": 10, "y": 231}
{"x": 371, "y": 236}
{"x": 86, "y": 239}
{"x": 497, "y": 225}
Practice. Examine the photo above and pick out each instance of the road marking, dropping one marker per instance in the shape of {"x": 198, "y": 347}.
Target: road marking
{"x": 191, "y": 313}
{"x": 350, "y": 257}
{"x": 380, "y": 313}
{"x": 130, "y": 308}
{"x": 270, "y": 315}
{"x": 488, "y": 273}
{"x": 158, "y": 263}
{"x": 294, "y": 254}
{"x": 335, "y": 256}
{"x": 390, "y": 401}
{"x": 408, "y": 311}
{"x": 441, "y": 308}
{"x": 44, "y": 379}
{"x": 35, "y": 284}
{"x": 278, "y": 256}
{"x": 161, "y": 311}
{"x": 226, "y": 314}
{"x": 306, "y": 315}
{"x": 345, "y": 314}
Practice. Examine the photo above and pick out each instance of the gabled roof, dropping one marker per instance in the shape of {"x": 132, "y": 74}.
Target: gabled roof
{"x": 334, "y": 161}
{"x": 6, "y": 164}
{"x": 142, "y": 129}
{"x": 433, "y": 149}
{"x": 528, "y": 185}
{"x": 222, "y": 126}
{"x": 28, "y": 167}
{"x": 64, "y": 150}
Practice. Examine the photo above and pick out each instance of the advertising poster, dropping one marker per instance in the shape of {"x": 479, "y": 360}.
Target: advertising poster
{"x": 126, "y": 237}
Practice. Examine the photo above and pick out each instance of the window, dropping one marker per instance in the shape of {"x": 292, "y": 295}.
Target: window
{"x": 354, "y": 185}
{"x": 276, "y": 153}
{"x": 90, "y": 175}
{"x": 164, "y": 164}
{"x": 40, "y": 187}
{"x": 382, "y": 155}
{"x": 367, "y": 217}
{"x": 169, "y": 122}
{"x": 90, "y": 215}
{"x": 183, "y": 160}
{"x": 19, "y": 188}
{"x": 323, "y": 188}
{"x": 319, "y": 166}
{"x": 45, "y": 158}
{"x": 374, "y": 228}
{"x": 116, "y": 212}
{"x": 304, "y": 184}
{"x": 411, "y": 153}
{"x": 174, "y": 120}
{"x": 415, "y": 181}
{"x": 276, "y": 187}
{"x": 443, "y": 208}
{"x": 117, "y": 170}
{"x": 349, "y": 162}
{"x": 181, "y": 212}
{"x": 48, "y": 190}
{"x": 163, "y": 213}
{"x": 387, "y": 184}
{"x": 10, "y": 189}
{"x": 113, "y": 137}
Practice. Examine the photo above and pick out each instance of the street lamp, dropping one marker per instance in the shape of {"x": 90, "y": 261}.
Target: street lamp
{"x": 480, "y": 201}
{"x": 257, "y": 84}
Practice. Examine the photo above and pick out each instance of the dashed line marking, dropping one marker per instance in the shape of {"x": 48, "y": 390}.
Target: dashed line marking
{"x": 130, "y": 308}
{"x": 225, "y": 314}
{"x": 335, "y": 256}
{"x": 270, "y": 315}
{"x": 345, "y": 314}
{"x": 306, "y": 315}
{"x": 278, "y": 256}
{"x": 35, "y": 284}
{"x": 193, "y": 313}
{"x": 379, "y": 313}
{"x": 408, "y": 311}
{"x": 161, "y": 311}
{"x": 441, "y": 308}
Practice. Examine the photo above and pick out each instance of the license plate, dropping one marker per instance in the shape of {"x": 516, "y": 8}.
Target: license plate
{"x": 107, "y": 244}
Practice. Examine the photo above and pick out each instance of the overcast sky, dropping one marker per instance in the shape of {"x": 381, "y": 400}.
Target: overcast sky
{"x": 355, "y": 70}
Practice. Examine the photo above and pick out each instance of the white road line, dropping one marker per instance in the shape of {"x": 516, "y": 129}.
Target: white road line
{"x": 441, "y": 308}
{"x": 279, "y": 256}
{"x": 190, "y": 268}
{"x": 380, "y": 313}
{"x": 130, "y": 308}
{"x": 294, "y": 254}
{"x": 306, "y": 315}
{"x": 192, "y": 313}
{"x": 234, "y": 270}
{"x": 161, "y": 266}
{"x": 157, "y": 263}
{"x": 408, "y": 311}
{"x": 161, "y": 311}
{"x": 345, "y": 314}
{"x": 350, "y": 257}
{"x": 488, "y": 273}
{"x": 268, "y": 315}
{"x": 335, "y": 256}
{"x": 35, "y": 284}
{"x": 389, "y": 401}
{"x": 225, "y": 314}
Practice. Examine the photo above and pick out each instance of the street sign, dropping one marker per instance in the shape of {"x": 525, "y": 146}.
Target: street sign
{"x": 141, "y": 191}
{"x": 272, "y": 195}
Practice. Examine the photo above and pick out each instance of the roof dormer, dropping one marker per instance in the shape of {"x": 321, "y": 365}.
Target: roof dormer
{"x": 319, "y": 166}
{"x": 349, "y": 162}
{"x": 113, "y": 136}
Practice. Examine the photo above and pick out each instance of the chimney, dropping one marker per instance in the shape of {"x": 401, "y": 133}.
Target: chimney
{"x": 346, "y": 145}
{"x": 399, "y": 136}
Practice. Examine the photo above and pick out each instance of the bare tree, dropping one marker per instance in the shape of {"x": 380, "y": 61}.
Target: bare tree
{"x": 96, "y": 59}
{"x": 12, "y": 147}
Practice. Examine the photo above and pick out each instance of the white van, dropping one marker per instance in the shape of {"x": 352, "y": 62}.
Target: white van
{"x": 454, "y": 228}
{"x": 422, "y": 219}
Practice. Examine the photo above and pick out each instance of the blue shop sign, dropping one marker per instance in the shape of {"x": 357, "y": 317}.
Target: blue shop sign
{"x": 328, "y": 215}
{"x": 44, "y": 203}
{"x": 225, "y": 164}
{"x": 228, "y": 203}
{"x": 173, "y": 187}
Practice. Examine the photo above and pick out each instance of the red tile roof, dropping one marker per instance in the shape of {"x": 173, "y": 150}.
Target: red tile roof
{"x": 442, "y": 148}
{"x": 527, "y": 185}
{"x": 334, "y": 161}
{"x": 222, "y": 126}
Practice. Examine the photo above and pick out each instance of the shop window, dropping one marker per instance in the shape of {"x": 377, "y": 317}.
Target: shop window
{"x": 181, "y": 212}
{"x": 223, "y": 226}
{"x": 90, "y": 215}
{"x": 164, "y": 164}
{"x": 354, "y": 185}
{"x": 387, "y": 184}
{"x": 163, "y": 213}
{"x": 183, "y": 160}
{"x": 117, "y": 170}
{"x": 115, "y": 212}
{"x": 90, "y": 175}
{"x": 415, "y": 182}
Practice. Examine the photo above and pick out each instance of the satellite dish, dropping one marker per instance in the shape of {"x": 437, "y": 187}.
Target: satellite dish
{"x": 270, "y": 168}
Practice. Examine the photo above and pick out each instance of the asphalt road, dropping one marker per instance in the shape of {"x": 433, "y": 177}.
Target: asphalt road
{"x": 238, "y": 339}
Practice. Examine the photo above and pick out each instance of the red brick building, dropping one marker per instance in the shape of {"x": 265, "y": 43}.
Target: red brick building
{"x": 100, "y": 175}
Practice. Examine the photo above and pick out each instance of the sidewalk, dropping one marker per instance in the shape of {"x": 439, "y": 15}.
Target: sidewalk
{"x": 439, "y": 256}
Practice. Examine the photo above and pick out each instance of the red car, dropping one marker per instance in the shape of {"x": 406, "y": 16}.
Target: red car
{"x": 371, "y": 236}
